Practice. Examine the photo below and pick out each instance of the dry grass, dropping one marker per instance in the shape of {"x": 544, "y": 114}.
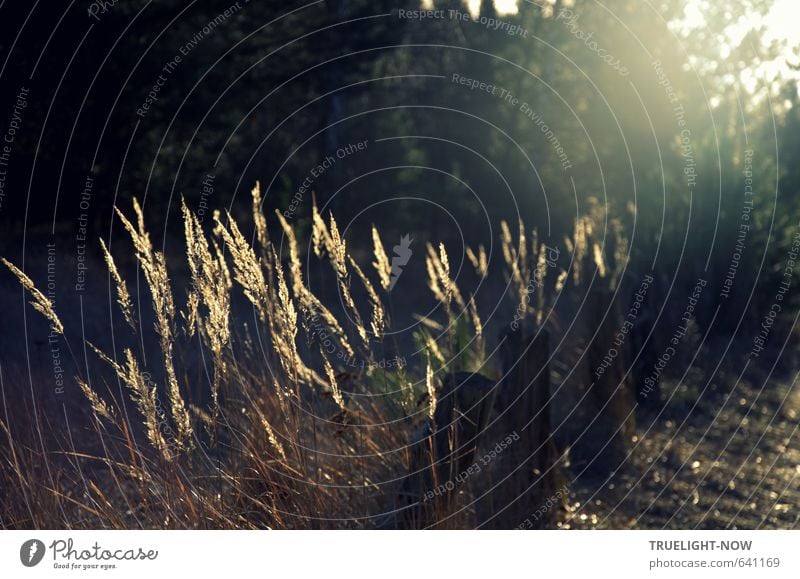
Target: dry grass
{"x": 273, "y": 456}
{"x": 285, "y": 437}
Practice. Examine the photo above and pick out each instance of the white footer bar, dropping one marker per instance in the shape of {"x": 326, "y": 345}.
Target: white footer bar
{"x": 378, "y": 555}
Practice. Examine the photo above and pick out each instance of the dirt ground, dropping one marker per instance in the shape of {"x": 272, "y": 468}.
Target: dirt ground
{"x": 732, "y": 461}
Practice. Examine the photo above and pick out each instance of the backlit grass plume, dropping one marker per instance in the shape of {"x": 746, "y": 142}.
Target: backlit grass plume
{"x": 99, "y": 405}
{"x": 381, "y": 264}
{"x": 378, "y": 322}
{"x": 211, "y": 286}
{"x": 440, "y": 283}
{"x": 429, "y": 387}
{"x": 478, "y": 260}
{"x": 143, "y": 394}
{"x": 311, "y": 307}
{"x": 39, "y": 302}
{"x": 123, "y": 297}
{"x": 246, "y": 266}
{"x": 337, "y": 254}
{"x": 154, "y": 267}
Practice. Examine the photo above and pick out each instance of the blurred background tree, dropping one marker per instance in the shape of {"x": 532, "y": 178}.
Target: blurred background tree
{"x": 272, "y": 89}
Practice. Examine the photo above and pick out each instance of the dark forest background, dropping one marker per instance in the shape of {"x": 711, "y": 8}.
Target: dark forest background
{"x": 273, "y": 89}
{"x": 269, "y": 91}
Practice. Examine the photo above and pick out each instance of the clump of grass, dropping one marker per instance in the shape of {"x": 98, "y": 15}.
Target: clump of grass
{"x": 262, "y": 454}
{"x": 278, "y": 433}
